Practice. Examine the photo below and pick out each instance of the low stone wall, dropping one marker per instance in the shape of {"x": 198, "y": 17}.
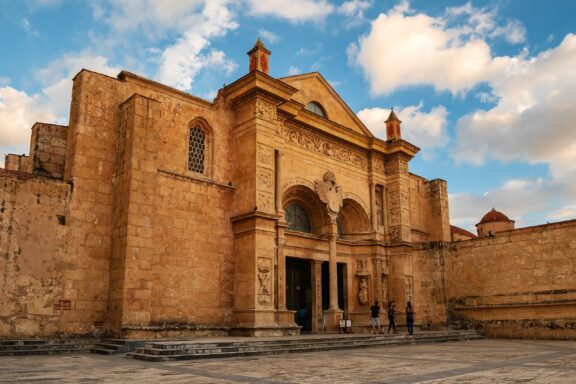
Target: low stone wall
{"x": 519, "y": 284}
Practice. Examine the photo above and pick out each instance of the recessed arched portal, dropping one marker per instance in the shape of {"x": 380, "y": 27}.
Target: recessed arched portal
{"x": 354, "y": 220}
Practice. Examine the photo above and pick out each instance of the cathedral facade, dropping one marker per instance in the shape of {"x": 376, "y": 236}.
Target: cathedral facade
{"x": 269, "y": 211}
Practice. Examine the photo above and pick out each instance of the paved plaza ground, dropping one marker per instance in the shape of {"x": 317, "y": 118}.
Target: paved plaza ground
{"x": 480, "y": 361}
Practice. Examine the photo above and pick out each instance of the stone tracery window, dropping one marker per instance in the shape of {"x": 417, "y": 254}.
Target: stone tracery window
{"x": 199, "y": 148}
{"x": 297, "y": 218}
{"x": 316, "y": 108}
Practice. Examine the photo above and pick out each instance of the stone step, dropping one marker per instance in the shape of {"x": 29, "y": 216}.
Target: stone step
{"x": 115, "y": 346}
{"x": 44, "y": 346}
{"x": 204, "y": 350}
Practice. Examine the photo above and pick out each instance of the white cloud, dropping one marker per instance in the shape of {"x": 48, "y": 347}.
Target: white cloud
{"x": 295, "y": 11}
{"x": 182, "y": 61}
{"x": 533, "y": 119}
{"x": 450, "y": 53}
{"x": 516, "y": 198}
{"x": 425, "y": 129}
{"x": 354, "y": 10}
{"x": 186, "y": 28}
{"x": 19, "y": 110}
{"x": 269, "y": 37}
{"x": 565, "y": 213}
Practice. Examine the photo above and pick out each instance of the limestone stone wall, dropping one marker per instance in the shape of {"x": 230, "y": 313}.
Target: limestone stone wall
{"x": 16, "y": 162}
{"x": 518, "y": 284}
{"x": 429, "y": 271}
{"x": 192, "y": 266}
{"x": 429, "y": 216}
{"x": 48, "y": 150}
{"x": 33, "y": 232}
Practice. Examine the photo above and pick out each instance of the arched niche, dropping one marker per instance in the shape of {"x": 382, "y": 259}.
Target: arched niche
{"x": 354, "y": 220}
{"x": 306, "y": 198}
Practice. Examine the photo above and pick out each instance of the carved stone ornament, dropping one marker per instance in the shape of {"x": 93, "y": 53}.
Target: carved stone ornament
{"x": 319, "y": 144}
{"x": 363, "y": 291}
{"x": 265, "y": 110}
{"x": 265, "y": 154}
{"x": 264, "y": 202}
{"x": 264, "y": 269}
{"x": 329, "y": 192}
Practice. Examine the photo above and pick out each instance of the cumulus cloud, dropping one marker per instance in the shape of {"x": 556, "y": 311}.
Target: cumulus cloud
{"x": 191, "y": 25}
{"x": 294, "y": 11}
{"x": 425, "y": 129}
{"x": 532, "y": 122}
{"x": 450, "y": 52}
{"x": 19, "y": 110}
{"x": 533, "y": 119}
{"x": 512, "y": 198}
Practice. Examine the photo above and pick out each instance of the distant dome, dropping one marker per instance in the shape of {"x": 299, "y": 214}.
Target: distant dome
{"x": 494, "y": 216}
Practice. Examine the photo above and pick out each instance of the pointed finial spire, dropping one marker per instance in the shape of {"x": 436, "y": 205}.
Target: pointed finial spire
{"x": 393, "y": 131}
{"x": 259, "y": 57}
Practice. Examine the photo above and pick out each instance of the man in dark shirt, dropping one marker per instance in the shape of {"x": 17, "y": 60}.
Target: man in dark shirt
{"x": 375, "y": 315}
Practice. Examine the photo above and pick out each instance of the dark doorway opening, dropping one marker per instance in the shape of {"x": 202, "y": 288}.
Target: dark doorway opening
{"x": 326, "y": 285}
{"x": 299, "y": 291}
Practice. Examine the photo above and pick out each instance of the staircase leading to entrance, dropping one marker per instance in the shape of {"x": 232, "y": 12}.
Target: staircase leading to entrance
{"x": 44, "y": 346}
{"x": 115, "y": 346}
{"x": 191, "y": 350}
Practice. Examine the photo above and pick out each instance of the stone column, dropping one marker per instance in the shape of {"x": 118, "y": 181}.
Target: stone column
{"x": 332, "y": 264}
{"x": 333, "y": 314}
{"x": 317, "y": 314}
{"x": 373, "y": 209}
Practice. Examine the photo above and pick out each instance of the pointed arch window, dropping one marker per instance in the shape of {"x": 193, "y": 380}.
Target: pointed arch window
{"x": 199, "y": 148}
{"x": 316, "y": 108}
{"x": 297, "y": 218}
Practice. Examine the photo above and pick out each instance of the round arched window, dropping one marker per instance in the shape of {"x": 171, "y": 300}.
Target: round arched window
{"x": 316, "y": 108}
{"x": 297, "y": 218}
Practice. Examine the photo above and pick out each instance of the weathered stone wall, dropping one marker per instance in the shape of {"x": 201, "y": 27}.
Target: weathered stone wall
{"x": 33, "y": 234}
{"x": 16, "y": 162}
{"x": 91, "y": 170}
{"x": 518, "y": 284}
{"x": 429, "y": 271}
{"x": 48, "y": 150}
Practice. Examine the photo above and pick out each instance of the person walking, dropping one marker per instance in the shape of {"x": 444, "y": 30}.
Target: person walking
{"x": 410, "y": 318}
{"x": 375, "y": 317}
{"x": 392, "y": 317}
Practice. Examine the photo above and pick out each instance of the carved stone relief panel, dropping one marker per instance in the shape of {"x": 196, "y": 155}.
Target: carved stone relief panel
{"x": 264, "y": 283}
{"x": 321, "y": 145}
{"x": 361, "y": 266}
{"x": 363, "y": 290}
{"x": 409, "y": 288}
{"x": 264, "y": 202}
{"x": 384, "y": 287}
{"x": 378, "y": 165}
{"x": 265, "y": 179}
{"x": 396, "y": 165}
{"x": 265, "y": 110}
{"x": 265, "y": 154}
{"x": 379, "y": 205}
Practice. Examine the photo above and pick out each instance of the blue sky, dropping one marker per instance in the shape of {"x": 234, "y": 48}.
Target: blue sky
{"x": 486, "y": 89}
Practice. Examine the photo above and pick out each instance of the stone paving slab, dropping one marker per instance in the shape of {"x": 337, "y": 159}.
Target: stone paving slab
{"x": 478, "y": 361}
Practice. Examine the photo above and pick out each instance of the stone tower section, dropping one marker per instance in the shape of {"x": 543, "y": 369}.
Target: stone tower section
{"x": 259, "y": 57}
{"x": 440, "y": 226}
{"x": 393, "y": 127}
{"x": 255, "y": 99}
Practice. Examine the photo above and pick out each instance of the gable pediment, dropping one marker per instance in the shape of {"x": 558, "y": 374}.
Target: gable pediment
{"x": 312, "y": 87}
